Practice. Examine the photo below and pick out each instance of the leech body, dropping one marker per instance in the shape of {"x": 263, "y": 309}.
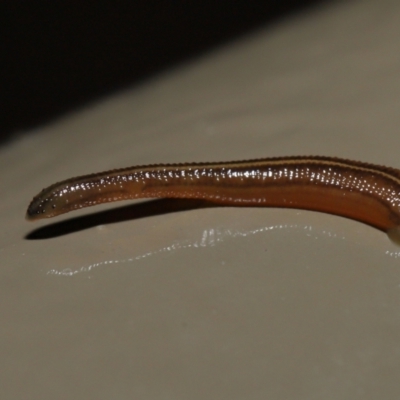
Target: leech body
{"x": 360, "y": 191}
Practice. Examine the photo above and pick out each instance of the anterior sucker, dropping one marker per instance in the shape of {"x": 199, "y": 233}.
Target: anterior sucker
{"x": 360, "y": 191}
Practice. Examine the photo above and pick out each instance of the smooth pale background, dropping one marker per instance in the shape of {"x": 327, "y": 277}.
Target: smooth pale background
{"x": 213, "y": 303}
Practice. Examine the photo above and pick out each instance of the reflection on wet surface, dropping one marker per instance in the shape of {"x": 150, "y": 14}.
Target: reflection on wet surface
{"x": 210, "y": 237}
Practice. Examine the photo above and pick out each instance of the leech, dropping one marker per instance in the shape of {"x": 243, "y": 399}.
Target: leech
{"x": 356, "y": 190}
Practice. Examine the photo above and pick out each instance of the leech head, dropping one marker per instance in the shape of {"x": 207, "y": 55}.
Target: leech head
{"x": 73, "y": 194}
{"x": 54, "y": 200}
{"x": 42, "y": 206}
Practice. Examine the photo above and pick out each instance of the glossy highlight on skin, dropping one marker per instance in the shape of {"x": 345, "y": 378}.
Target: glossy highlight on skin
{"x": 360, "y": 191}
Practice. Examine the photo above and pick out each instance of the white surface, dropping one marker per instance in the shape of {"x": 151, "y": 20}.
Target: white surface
{"x": 217, "y": 303}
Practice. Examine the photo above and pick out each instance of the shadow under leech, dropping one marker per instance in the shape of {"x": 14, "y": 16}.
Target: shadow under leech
{"x": 120, "y": 214}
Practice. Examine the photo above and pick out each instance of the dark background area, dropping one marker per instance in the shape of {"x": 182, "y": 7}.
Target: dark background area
{"x": 59, "y": 55}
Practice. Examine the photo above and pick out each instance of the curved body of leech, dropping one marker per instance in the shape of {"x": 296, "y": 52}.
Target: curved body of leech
{"x": 364, "y": 192}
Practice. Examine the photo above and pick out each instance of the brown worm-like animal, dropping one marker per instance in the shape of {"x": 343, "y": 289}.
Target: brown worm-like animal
{"x": 360, "y": 191}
